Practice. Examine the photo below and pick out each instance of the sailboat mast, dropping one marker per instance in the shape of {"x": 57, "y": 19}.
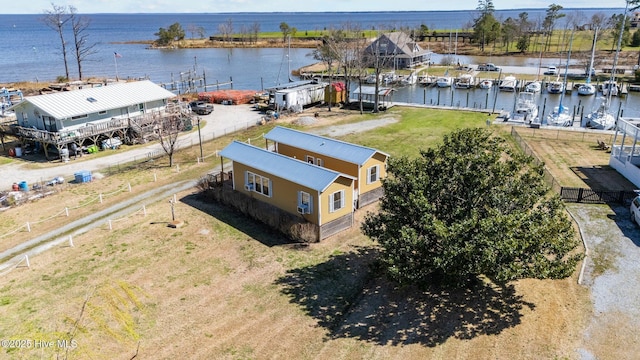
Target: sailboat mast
{"x": 593, "y": 54}
{"x": 566, "y": 71}
{"x": 615, "y": 58}
{"x": 289, "y": 58}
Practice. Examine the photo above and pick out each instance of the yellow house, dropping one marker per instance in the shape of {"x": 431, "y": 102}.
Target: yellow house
{"x": 321, "y": 196}
{"x": 365, "y": 164}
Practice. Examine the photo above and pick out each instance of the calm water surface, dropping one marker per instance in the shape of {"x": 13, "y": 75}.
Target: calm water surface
{"x": 30, "y": 51}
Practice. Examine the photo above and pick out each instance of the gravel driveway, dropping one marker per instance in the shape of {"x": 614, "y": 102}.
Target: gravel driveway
{"x": 612, "y": 273}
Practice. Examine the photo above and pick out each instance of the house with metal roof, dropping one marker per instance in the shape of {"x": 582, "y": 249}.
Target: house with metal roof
{"x": 399, "y": 50}
{"x": 320, "y": 196}
{"x": 89, "y": 114}
{"x": 365, "y": 164}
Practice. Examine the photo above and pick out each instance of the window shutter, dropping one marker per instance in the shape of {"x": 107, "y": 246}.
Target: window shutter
{"x": 331, "y": 203}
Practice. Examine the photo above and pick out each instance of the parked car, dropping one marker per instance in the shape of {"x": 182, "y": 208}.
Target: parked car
{"x": 634, "y": 210}
{"x": 551, "y": 70}
{"x": 201, "y": 107}
{"x": 488, "y": 67}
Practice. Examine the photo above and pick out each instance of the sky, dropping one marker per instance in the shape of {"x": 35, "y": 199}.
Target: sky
{"x": 232, "y": 6}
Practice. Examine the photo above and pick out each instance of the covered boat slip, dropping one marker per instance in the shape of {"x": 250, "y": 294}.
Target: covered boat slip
{"x": 625, "y": 153}
{"x": 367, "y": 94}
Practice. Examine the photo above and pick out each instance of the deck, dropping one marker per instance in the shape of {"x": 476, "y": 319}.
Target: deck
{"x": 132, "y": 128}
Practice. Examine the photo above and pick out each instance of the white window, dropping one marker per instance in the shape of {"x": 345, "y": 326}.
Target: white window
{"x": 319, "y": 162}
{"x": 310, "y": 159}
{"x": 373, "y": 174}
{"x": 257, "y": 183}
{"x": 79, "y": 117}
{"x": 336, "y": 201}
{"x": 305, "y": 202}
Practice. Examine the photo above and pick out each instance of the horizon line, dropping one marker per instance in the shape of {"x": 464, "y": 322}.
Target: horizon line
{"x": 317, "y": 12}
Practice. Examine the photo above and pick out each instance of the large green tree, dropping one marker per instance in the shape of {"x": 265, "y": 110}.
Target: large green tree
{"x": 471, "y": 207}
{"x": 549, "y": 23}
{"x": 485, "y": 27}
{"x": 175, "y": 32}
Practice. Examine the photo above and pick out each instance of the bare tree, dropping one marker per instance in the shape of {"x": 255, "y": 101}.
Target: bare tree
{"x": 378, "y": 55}
{"x": 56, "y": 19}
{"x": 328, "y": 54}
{"x": 168, "y": 128}
{"x": 255, "y": 30}
{"x": 226, "y": 29}
{"x": 195, "y": 30}
{"x": 346, "y": 45}
{"x": 83, "y": 49}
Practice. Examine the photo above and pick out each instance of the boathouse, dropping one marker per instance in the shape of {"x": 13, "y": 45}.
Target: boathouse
{"x": 367, "y": 95}
{"x": 317, "y": 195}
{"x": 366, "y": 165}
{"x": 398, "y": 50}
{"x": 87, "y": 116}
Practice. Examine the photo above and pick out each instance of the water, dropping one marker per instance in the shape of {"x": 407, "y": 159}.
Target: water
{"x": 31, "y": 51}
{"x": 497, "y": 100}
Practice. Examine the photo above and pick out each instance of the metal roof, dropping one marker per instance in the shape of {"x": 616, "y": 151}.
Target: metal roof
{"x": 296, "y": 171}
{"x": 67, "y": 104}
{"x": 356, "y": 154}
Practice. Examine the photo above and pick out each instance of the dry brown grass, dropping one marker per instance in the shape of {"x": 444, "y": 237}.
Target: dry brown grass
{"x": 574, "y": 158}
{"x": 225, "y": 287}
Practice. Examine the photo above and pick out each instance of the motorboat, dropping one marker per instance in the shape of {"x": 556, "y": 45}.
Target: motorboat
{"x": 426, "y": 80}
{"x": 371, "y": 79}
{"x": 533, "y": 87}
{"x": 486, "y": 84}
{"x": 465, "y": 81}
{"x": 444, "y": 81}
{"x": 610, "y": 88}
{"x": 389, "y": 78}
{"x": 555, "y": 87}
{"x": 600, "y": 118}
{"x": 588, "y": 88}
{"x": 509, "y": 83}
{"x": 526, "y": 110}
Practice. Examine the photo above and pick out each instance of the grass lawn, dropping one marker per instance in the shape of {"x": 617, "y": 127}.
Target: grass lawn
{"x": 419, "y": 129}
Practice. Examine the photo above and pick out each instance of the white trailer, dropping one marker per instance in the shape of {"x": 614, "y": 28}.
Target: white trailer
{"x": 299, "y": 97}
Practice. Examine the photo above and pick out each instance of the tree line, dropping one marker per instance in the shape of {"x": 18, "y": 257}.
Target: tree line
{"x": 537, "y": 34}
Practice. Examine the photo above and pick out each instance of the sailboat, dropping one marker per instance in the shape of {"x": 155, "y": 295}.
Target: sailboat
{"x": 588, "y": 88}
{"x": 560, "y": 115}
{"x": 535, "y": 86}
{"x": 601, "y": 118}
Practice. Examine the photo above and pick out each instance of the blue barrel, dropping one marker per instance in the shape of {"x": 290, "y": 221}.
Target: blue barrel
{"x": 23, "y": 186}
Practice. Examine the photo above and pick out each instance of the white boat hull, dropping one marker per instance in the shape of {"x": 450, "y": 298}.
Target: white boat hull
{"x": 586, "y": 89}
{"x": 486, "y": 84}
{"x": 444, "y": 82}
